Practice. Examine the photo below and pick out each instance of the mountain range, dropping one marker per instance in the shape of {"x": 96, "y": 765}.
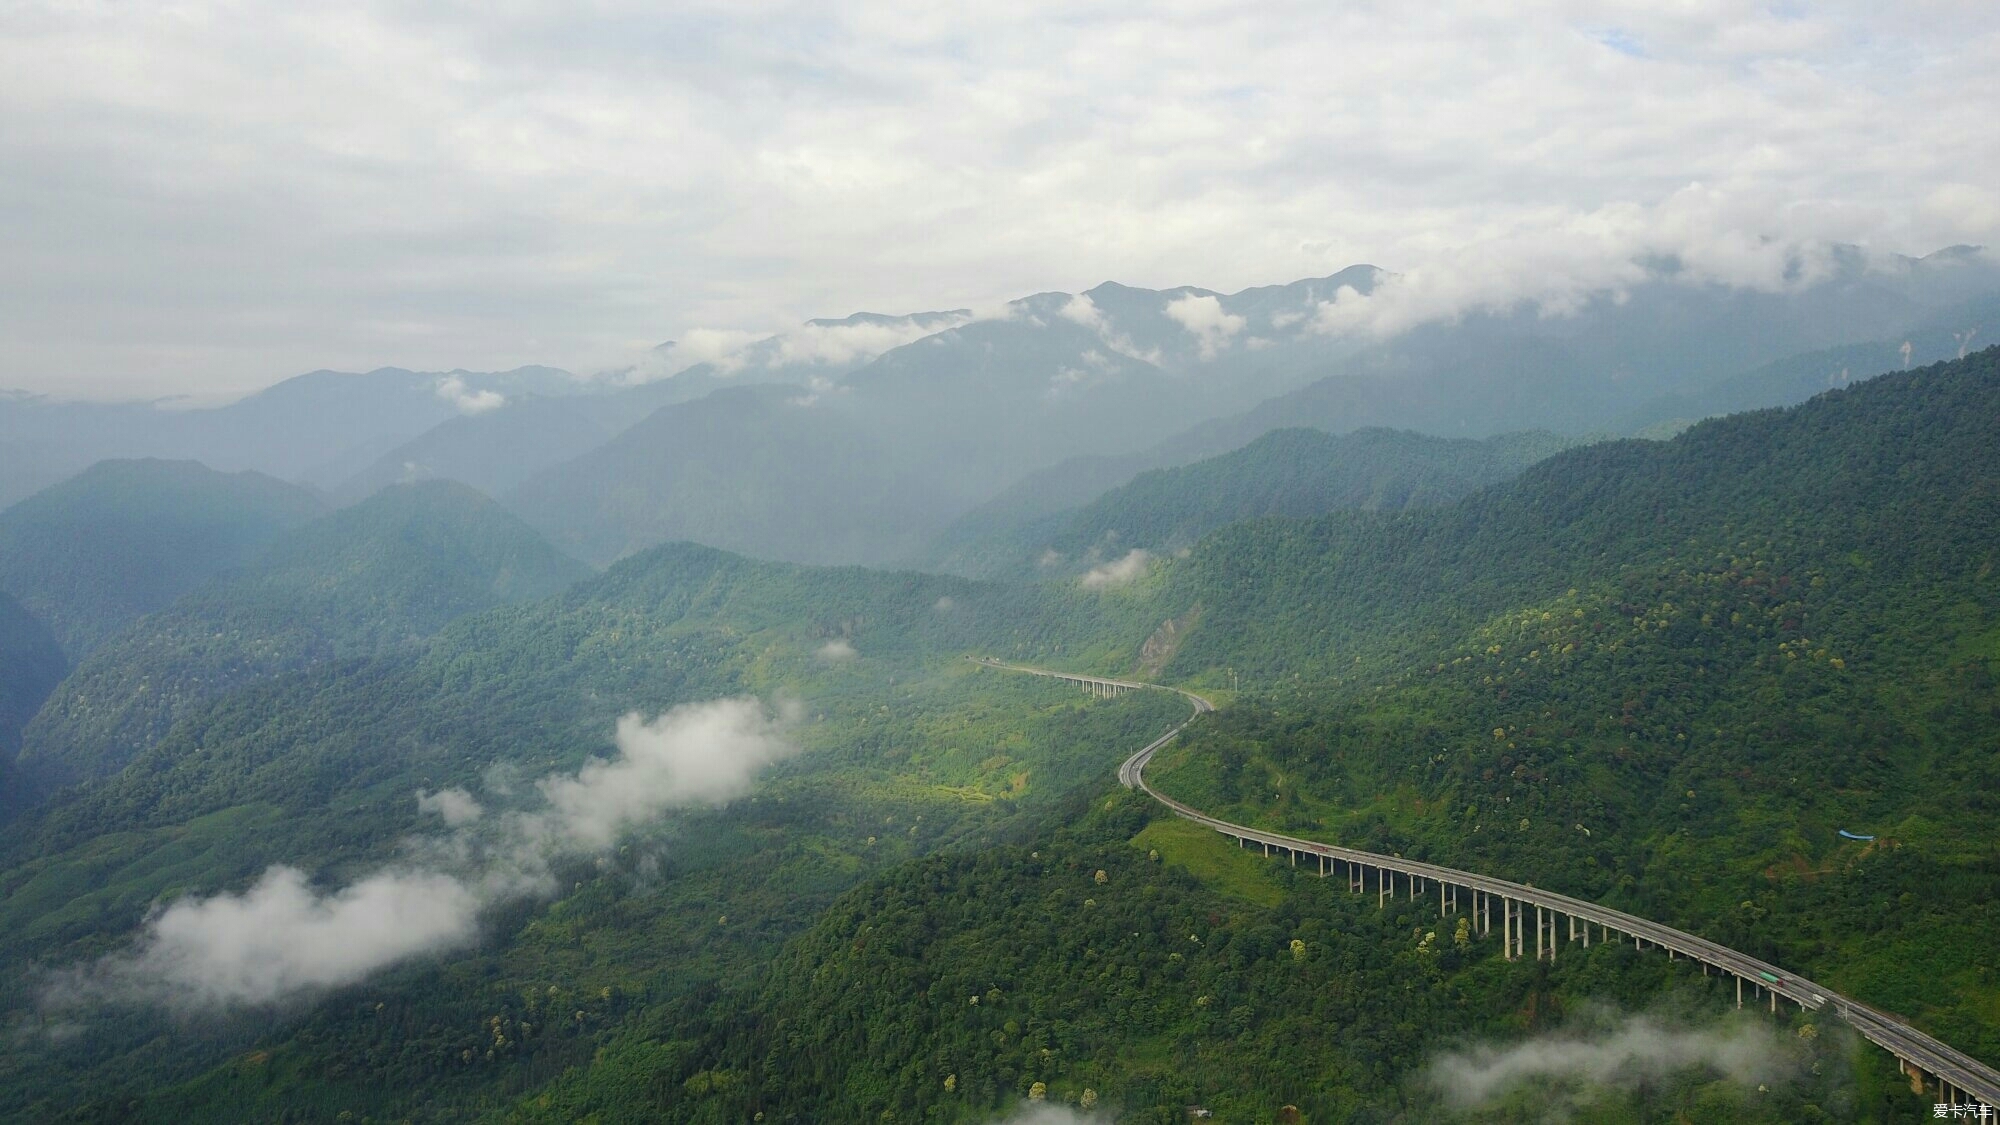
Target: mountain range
{"x": 815, "y": 430}
{"x": 1710, "y": 652}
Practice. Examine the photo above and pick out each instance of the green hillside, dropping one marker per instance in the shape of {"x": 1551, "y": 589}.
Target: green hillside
{"x": 1293, "y": 472}
{"x": 124, "y": 538}
{"x": 1887, "y": 490}
{"x": 1658, "y": 675}
{"x": 1089, "y": 966}
{"x": 1661, "y": 674}
{"x": 909, "y": 749}
{"x": 370, "y": 579}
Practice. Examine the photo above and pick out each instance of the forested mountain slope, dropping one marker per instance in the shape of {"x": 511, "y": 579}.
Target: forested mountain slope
{"x": 320, "y": 768}
{"x": 1657, "y": 673}
{"x": 364, "y": 581}
{"x": 1892, "y": 483}
{"x": 31, "y": 664}
{"x": 1663, "y": 675}
{"x": 1293, "y": 472}
{"x": 124, "y": 538}
{"x": 1088, "y": 966}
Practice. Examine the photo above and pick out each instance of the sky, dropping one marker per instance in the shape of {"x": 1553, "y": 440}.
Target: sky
{"x": 203, "y": 198}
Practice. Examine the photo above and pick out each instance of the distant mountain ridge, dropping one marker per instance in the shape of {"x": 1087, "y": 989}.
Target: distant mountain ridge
{"x": 124, "y": 538}
{"x": 1075, "y": 393}
{"x": 1290, "y": 472}
{"x": 944, "y": 409}
{"x": 319, "y": 427}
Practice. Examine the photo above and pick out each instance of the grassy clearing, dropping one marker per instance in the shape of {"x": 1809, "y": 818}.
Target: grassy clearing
{"x": 1212, "y": 858}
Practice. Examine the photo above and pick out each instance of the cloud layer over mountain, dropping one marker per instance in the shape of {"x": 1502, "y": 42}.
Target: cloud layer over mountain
{"x": 267, "y": 189}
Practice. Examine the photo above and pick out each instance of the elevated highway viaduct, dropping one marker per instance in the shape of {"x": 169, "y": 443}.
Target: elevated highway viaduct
{"x": 1558, "y": 920}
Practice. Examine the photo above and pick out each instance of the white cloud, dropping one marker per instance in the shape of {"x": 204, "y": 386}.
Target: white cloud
{"x": 1081, "y": 309}
{"x": 1204, "y": 319}
{"x": 1558, "y": 261}
{"x": 282, "y": 937}
{"x": 1118, "y": 572}
{"x": 1634, "y": 1050}
{"x": 837, "y": 346}
{"x": 843, "y": 345}
{"x": 455, "y": 805}
{"x": 720, "y": 349}
{"x": 269, "y": 188}
{"x": 698, "y": 753}
{"x": 1971, "y": 208}
{"x": 1045, "y": 1114}
{"x": 453, "y": 390}
{"x": 836, "y": 650}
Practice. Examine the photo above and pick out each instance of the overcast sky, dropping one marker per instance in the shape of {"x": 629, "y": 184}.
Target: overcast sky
{"x": 206, "y": 197}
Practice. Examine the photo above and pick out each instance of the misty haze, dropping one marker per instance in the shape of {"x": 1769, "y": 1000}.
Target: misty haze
{"x": 1102, "y": 565}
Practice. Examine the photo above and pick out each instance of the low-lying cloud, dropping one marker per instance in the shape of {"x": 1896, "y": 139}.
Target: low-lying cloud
{"x": 1118, "y": 572}
{"x": 843, "y": 345}
{"x": 1080, "y": 309}
{"x": 1558, "y": 262}
{"x": 1634, "y": 1050}
{"x": 700, "y": 754}
{"x": 454, "y": 390}
{"x": 1205, "y": 319}
{"x": 835, "y": 345}
{"x": 836, "y": 650}
{"x": 1045, "y": 1114}
{"x": 283, "y": 938}
{"x": 455, "y": 805}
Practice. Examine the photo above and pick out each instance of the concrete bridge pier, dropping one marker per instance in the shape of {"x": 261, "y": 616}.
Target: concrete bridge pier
{"x": 1538, "y": 934}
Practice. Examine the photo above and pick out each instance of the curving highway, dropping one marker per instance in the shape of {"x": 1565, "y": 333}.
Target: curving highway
{"x": 1932, "y": 1066}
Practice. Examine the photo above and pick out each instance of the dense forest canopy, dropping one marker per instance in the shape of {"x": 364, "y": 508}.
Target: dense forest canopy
{"x": 1658, "y": 674}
